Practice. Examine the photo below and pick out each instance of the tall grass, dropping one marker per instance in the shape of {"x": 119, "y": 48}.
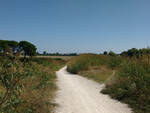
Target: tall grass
{"x": 27, "y": 87}
{"x": 133, "y": 87}
{"x": 131, "y": 82}
{"x": 85, "y": 61}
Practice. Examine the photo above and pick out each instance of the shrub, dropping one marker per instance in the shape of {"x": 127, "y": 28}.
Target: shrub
{"x": 114, "y": 62}
{"x": 24, "y": 86}
{"x": 132, "y": 82}
{"x": 135, "y": 87}
{"x": 83, "y": 62}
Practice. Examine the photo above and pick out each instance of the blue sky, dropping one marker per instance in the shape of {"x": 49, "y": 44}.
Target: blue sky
{"x": 77, "y": 25}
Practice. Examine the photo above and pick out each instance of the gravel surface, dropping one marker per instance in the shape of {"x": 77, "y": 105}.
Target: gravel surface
{"x": 77, "y": 94}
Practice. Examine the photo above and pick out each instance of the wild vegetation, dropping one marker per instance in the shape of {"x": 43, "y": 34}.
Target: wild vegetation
{"x": 27, "y": 85}
{"x": 56, "y": 54}
{"x": 97, "y": 67}
{"x": 11, "y": 48}
{"x": 127, "y": 76}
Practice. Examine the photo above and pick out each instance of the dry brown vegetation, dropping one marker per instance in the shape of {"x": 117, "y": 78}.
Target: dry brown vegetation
{"x": 56, "y": 57}
{"x": 91, "y": 66}
{"x": 99, "y": 74}
{"x": 127, "y": 78}
{"x": 37, "y": 80}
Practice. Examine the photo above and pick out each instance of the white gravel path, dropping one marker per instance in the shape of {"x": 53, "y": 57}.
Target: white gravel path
{"x": 77, "y": 94}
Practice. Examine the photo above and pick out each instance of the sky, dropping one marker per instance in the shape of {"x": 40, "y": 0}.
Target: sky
{"x": 77, "y": 25}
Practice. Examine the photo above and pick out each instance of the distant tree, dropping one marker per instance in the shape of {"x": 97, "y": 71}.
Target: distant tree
{"x": 111, "y": 53}
{"x": 4, "y": 47}
{"x": 124, "y": 53}
{"x": 13, "y": 45}
{"x": 37, "y": 53}
{"x": 57, "y": 54}
{"x": 144, "y": 51}
{"x": 27, "y": 48}
{"x": 9, "y": 47}
{"x": 44, "y": 53}
{"x": 72, "y": 54}
{"x": 105, "y": 53}
{"x": 133, "y": 52}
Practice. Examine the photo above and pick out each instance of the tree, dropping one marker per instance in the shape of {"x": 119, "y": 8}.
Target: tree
{"x": 105, "y": 53}
{"x": 27, "y": 48}
{"x": 4, "y": 47}
{"x": 44, "y": 53}
{"x": 133, "y": 52}
{"x": 111, "y": 53}
{"x": 9, "y": 47}
{"x": 13, "y": 45}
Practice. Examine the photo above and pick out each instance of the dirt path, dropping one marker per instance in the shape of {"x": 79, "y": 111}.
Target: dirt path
{"x": 80, "y": 95}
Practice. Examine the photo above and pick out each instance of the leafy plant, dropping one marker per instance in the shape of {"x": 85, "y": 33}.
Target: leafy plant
{"x": 10, "y": 78}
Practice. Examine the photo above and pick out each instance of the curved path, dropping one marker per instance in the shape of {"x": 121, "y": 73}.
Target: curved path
{"x": 77, "y": 94}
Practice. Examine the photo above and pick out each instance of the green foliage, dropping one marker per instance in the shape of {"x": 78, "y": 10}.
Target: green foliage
{"x": 114, "y": 62}
{"x": 105, "y": 53}
{"x": 136, "y": 52}
{"x": 8, "y": 46}
{"x": 134, "y": 86}
{"x": 24, "y": 86}
{"x": 57, "y": 54}
{"x": 28, "y": 48}
{"x": 13, "y": 47}
{"x": 10, "y": 79}
{"x": 83, "y": 62}
{"x": 133, "y": 52}
{"x": 131, "y": 83}
{"x": 111, "y": 53}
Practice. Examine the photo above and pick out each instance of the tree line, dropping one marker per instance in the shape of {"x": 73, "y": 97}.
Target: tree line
{"x": 25, "y": 48}
{"x": 133, "y": 52}
{"x": 57, "y": 54}
{"x": 136, "y": 52}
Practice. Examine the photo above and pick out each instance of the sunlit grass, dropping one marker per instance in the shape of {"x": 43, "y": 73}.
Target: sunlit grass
{"x": 38, "y": 85}
{"x": 99, "y": 74}
{"x": 127, "y": 79}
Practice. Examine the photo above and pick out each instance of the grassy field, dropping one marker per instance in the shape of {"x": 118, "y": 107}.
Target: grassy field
{"x": 99, "y": 74}
{"x": 93, "y": 66}
{"x": 127, "y": 79}
{"x": 66, "y": 58}
{"x": 28, "y": 86}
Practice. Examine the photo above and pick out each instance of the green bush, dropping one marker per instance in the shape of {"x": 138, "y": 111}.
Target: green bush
{"x": 27, "y": 84}
{"x": 114, "y": 62}
{"x": 83, "y": 62}
{"x": 132, "y": 85}
{"x": 135, "y": 87}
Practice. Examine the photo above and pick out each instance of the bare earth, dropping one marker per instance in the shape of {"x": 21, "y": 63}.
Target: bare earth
{"x": 80, "y": 95}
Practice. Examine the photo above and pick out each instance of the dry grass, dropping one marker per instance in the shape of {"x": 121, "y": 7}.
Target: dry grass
{"x": 99, "y": 74}
{"x": 91, "y": 66}
{"x": 38, "y": 94}
{"x": 66, "y": 58}
{"x": 129, "y": 83}
{"x": 40, "y": 89}
{"x": 39, "y": 85}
